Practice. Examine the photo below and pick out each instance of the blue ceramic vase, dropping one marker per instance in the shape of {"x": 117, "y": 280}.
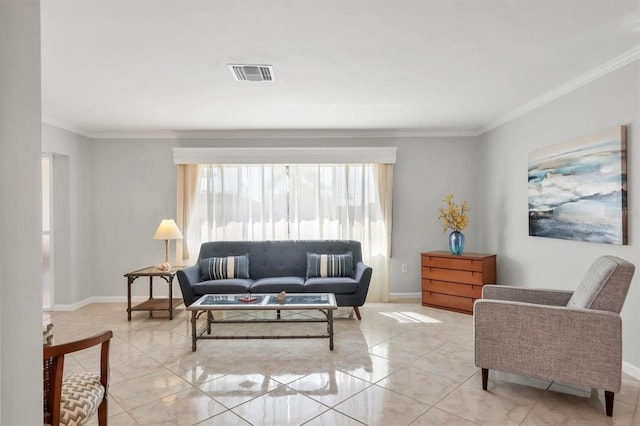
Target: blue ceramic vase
{"x": 456, "y": 243}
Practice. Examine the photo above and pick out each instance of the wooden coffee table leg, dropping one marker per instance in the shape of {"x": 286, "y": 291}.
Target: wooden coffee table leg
{"x": 194, "y": 314}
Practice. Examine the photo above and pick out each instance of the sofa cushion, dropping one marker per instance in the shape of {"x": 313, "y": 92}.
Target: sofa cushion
{"x": 336, "y": 285}
{"x": 219, "y": 268}
{"x": 329, "y": 265}
{"x": 278, "y": 284}
{"x": 228, "y": 286}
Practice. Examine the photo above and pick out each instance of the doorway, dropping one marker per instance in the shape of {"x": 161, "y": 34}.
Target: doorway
{"x": 47, "y": 243}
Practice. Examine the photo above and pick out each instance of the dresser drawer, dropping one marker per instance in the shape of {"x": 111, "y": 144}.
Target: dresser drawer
{"x": 454, "y": 289}
{"x": 452, "y": 275}
{"x": 452, "y": 263}
{"x": 463, "y": 304}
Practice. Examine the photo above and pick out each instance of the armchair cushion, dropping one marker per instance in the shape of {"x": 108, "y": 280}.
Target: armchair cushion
{"x": 82, "y": 393}
{"x": 47, "y": 334}
{"x": 605, "y": 285}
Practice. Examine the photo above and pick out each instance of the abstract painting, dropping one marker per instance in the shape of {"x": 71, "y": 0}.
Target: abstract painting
{"x": 578, "y": 189}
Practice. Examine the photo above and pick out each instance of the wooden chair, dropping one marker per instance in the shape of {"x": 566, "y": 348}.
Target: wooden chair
{"x": 74, "y": 398}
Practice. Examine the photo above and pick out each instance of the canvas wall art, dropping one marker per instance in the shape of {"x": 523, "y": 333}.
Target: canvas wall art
{"x": 578, "y": 189}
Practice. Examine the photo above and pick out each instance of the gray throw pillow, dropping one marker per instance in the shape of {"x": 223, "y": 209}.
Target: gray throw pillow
{"x": 220, "y": 268}
{"x": 329, "y": 265}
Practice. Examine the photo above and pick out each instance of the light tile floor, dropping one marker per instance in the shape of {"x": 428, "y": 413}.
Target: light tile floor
{"x": 403, "y": 364}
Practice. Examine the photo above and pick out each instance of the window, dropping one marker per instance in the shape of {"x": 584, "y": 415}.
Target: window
{"x": 289, "y": 201}
{"x": 266, "y": 202}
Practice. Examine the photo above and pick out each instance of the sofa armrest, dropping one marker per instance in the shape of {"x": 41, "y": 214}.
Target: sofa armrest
{"x": 526, "y": 295}
{"x": 187, "y": 277}
{"x": 361, "y": 271}
{"x": 363, "y": 276}
{"x": 575, "y": 346}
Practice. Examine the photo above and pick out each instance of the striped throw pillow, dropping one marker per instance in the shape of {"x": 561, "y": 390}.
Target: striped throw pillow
{"x": 329, "y": 265}
{"x": 220, "y": 268}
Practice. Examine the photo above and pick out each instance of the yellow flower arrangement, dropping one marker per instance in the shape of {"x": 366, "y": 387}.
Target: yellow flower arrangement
{"x": 452, "y": 216}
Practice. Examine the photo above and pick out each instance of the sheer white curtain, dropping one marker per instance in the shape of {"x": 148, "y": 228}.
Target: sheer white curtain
{"x": 298, "y": 201}
{"x": 344, "y": 201}
{"x": 237, "y": 202}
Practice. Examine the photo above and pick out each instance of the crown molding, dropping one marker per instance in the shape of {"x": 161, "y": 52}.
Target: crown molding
{"x": 64, "y": 126}
{"x": 284, "y": 134}
{"x": 596, "y": 73}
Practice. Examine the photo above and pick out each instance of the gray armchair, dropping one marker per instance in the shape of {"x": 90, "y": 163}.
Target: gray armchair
{"x": 570, "y": 337}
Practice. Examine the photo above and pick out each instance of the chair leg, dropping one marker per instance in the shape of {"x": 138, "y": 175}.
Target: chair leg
{"x": 485, "y": 378}
{"x": 357, "y": 311}
{"x": 608, "y": 399}
{"x": 102, "y": 412}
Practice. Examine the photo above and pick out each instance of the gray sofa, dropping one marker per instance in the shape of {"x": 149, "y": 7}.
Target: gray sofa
{"x": 275, "y": 266}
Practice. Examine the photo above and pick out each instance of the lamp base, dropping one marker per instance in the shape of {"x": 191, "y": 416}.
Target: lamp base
{"x": 164, "y": 266}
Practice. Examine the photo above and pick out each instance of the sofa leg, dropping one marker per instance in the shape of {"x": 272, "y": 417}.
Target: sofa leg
{"x": 485, "y": 378}
{"x": 357, "y": 311}
{"x": 608, "y": 399}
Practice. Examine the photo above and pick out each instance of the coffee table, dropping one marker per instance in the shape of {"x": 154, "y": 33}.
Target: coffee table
{"x": 323, "y": 302}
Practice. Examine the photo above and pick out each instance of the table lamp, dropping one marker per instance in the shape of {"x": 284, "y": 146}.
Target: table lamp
{"x": 167, "y": 230}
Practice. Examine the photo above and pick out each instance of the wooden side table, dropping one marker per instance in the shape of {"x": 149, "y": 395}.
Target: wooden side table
{"x": 153, "y": 304}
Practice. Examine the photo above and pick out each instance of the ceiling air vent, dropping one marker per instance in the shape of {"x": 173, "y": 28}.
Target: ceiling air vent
{"x": 252, "y": 72}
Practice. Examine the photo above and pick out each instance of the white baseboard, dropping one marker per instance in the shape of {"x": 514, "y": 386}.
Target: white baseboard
{"x": 631, "y": 370}
{"x": 97, "y": 299}
{"x": 404, "y": 296}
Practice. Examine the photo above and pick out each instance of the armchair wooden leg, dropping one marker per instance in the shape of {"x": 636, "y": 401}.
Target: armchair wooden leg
{"x": 485, "y": 378}
{"x": 102, "y": 412}
{"x": 357, "y": 311}
{"x": 608, "y": 399}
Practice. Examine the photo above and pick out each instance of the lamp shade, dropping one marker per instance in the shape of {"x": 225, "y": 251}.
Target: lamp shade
{"x": 168, "y": 230}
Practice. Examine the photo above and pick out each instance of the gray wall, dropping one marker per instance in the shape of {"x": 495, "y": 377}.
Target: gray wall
{"x": 20, "y": 215}
{"x": 541, "y": 262}
{"x": 134, "y": 185}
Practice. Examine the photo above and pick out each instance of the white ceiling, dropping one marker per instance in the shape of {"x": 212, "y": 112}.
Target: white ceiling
{"x": 449, "y": 66}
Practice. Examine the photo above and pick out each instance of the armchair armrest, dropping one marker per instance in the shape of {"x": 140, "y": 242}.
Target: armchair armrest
{"x": 526, "y": 295}
{"x": 549, "y": 342}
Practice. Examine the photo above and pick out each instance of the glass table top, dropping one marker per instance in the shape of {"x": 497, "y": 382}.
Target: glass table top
{"x": 265, "y": 301}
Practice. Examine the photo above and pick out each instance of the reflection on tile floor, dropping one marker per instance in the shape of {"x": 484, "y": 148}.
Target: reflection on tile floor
{"x": 403, "y": 364}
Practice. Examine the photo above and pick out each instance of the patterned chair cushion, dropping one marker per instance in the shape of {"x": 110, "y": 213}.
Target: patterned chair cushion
{"x": 47, "y": 334}
{"x": 81, "y": 396}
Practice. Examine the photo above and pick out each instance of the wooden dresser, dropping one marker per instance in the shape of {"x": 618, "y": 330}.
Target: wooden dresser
{"x": 455, "y": 282}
